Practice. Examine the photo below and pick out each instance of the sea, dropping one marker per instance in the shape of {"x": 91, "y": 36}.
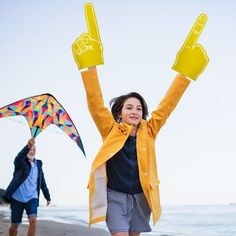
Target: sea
{"x": 196, "y": 220}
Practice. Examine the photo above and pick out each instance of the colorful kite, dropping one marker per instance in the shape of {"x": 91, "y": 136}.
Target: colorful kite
{"x": 41, "y": 111}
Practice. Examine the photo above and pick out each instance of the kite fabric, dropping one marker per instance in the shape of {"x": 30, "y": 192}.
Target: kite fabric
{"x": 41, "y": 111}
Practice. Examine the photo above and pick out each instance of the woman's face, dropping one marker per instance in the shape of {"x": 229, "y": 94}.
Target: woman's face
{"x": 132, "y": 112}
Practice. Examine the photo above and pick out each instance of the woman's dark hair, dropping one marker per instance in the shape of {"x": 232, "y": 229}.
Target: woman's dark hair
{"x": 117, "y": 104}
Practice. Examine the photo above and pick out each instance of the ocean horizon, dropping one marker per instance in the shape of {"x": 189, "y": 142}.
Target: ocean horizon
{"x": 176, "y": 220}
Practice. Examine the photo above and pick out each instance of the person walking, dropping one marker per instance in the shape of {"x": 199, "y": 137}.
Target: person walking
{"x": 23, "y": 190}
{"x": 124, "y": 182}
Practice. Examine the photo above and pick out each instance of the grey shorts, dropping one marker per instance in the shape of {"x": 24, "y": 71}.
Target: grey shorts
{"x": 127, "y": 213}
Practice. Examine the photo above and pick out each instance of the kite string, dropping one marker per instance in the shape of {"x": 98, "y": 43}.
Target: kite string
{"x": 24, "y": 123}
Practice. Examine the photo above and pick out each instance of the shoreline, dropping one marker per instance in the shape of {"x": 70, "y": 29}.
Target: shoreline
{"x": 51, "y": 228}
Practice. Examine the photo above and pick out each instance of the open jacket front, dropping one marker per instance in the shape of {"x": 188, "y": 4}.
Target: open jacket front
{"x": 114, "y": 136}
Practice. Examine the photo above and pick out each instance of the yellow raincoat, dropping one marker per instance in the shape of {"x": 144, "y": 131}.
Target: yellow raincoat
{"x": 114, "y": 136}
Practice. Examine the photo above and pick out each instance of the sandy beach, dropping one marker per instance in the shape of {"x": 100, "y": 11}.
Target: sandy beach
{"x": 50, "y": 228}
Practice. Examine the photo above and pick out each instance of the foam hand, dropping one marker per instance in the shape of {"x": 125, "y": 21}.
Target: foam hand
{"x": 192, "y": 59}
{"x": 87, "y": 49}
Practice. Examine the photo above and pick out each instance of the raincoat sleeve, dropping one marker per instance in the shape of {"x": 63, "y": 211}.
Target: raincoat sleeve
{"x": 167, "y": 105}
{"x": 100, "y": 114}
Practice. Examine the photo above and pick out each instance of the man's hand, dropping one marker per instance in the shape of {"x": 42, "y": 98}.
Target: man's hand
{"x": 31, "y": 142}
{"x": 192, "y": 59}
{"x": 87, "y": 49}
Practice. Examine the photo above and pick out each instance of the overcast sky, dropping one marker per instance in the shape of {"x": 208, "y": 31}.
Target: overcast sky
{"x": 196, "y": 147}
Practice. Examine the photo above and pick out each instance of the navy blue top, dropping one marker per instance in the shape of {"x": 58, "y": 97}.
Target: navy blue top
{"x": 122, "y": 169}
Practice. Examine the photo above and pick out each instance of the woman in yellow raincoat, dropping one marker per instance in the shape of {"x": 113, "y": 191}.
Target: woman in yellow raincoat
{"x": 124, "y": 184}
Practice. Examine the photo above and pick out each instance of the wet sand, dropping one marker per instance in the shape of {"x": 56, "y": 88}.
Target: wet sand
{"x": 50, "y": 228}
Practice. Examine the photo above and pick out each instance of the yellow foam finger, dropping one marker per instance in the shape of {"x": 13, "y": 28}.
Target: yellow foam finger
{"x": 196, "y": 31}
{"x": 92, "y": 22}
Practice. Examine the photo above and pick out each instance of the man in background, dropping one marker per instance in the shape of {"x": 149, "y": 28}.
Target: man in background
{"x": 23, "y": 190}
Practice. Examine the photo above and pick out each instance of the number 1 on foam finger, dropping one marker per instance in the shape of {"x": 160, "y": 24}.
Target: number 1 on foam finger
{"x": 92, "y": 22}
{"x": 196, "y": 31}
